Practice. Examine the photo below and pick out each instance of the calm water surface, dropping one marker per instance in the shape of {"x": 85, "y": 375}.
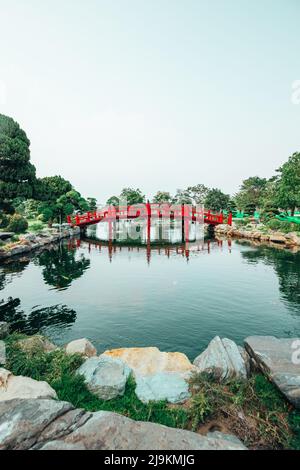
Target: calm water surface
{"x": 164, "y": 297}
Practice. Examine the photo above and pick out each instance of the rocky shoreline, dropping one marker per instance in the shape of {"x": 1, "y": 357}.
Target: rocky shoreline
{"x": 31, "y": 417}
{"x": 260, "y": 233}
{"x": 30, "y": 241}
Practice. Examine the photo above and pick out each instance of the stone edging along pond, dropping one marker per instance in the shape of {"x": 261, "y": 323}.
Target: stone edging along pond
{"x": 30, "y": 241}
{"x": 289, "y": 240}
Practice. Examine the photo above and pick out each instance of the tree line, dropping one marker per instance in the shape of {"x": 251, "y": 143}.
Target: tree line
{"x": 25, "y": 196}
{"x": 280, "y": 192}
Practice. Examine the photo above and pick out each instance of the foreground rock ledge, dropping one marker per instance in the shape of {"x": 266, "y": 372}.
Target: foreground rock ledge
{"x": 54, "y": 425}
{"x": 279, "y": 359}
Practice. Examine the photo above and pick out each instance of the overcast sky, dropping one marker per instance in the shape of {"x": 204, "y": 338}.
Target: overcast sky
{"x": 156, "y": 94}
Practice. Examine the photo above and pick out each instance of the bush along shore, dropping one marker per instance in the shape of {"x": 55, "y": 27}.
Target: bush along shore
{"x": 12, "y": 244}
{"x": 72, "y": 397}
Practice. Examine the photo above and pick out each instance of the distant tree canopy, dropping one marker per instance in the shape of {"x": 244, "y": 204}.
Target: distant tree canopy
{"x": 288, "y": 184}
{"x": 182, "y": 196}
{"x": 216, "y": 200}
{"x": 64, "y": 205}
{"x": 92, "y": 203}
{"x": 17, "y": 174}
{"x": 162, "y": 197}
{"x": 113, "y": 201}
{"x": 51, "y": 188}
{"x": 252, "y": 192}
{"x": 132, "y": 196}
{"x": 52, "y": 198}
{"x": 198, "y": 193}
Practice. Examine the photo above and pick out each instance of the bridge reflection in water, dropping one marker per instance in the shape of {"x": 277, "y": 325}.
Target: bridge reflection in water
{"x": 159, "y": 238}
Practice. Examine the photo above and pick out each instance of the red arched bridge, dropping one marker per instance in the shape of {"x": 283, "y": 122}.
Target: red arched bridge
{"x": 159, "y": 211}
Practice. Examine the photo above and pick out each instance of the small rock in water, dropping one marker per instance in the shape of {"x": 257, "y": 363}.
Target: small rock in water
{"x": 81, "y": 346}
{"x": 222, "y": 359}
{"x": 106, "y": 377}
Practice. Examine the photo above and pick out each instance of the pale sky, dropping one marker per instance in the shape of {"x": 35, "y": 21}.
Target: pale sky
{"x": 156, "y": 94}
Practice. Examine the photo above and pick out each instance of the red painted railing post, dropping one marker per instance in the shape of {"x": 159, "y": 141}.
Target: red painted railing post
{"x": 148, "y": 208}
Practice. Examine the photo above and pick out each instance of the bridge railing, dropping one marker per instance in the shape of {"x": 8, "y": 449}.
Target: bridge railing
{"x": 148, "y": 210}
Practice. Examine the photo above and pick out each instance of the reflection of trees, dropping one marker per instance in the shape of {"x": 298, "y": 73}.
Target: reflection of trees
{"x": 286, "y": 266}
{"x": 11, "y": 269}
{"x": 56, "y": 315}
{"x": 61, "y": 266}
{"x": 11, "y": 313}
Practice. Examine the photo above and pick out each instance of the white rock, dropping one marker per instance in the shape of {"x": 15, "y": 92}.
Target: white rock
{"x": 168, "y": 386}
{"x": 12, "y": 387}
{"x": 106, "y": 377}
{"x": 81, "y": 346}
{"x": 222, "y": 359}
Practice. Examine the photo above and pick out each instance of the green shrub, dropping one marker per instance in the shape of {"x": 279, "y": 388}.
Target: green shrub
{"x": 285, "y": 227}
{"x": 4, "y": 220}
{"x": 294, "y": 422}
{"x": 36, "y": 226}
{"x": 274, "y": 224}
{"x": 17, "y": 224}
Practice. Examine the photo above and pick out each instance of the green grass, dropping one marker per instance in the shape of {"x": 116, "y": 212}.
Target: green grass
{"x": 58, "y": 369}
{"x": 35, "y": 225}
{"x": 72, "y": 388}
{"x": 254, "y": 410}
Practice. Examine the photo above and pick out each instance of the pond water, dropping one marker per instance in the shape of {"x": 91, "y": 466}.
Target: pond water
{"x": 167, "y": 296}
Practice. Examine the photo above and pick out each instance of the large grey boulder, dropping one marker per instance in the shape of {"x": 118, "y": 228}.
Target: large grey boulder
{"x": 279, "y": 359}
{"x": 106, "y": 377}
{"x": 222, "y": 360}
{"x": 23, "y": 423}
{"x": 55, "y": 425}
{"x": 4, "y": 329}
{"x": 168, "y": 386}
